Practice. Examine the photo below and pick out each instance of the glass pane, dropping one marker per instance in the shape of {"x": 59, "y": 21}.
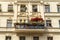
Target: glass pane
{"x": 0, "y": 8}
{"x": 35, "y": 38}
{"x": 50, "y": 38}
{"x": 10, "y": 8}
{"x": 58, "y": 7}
{"x": 34, "y": 8}
{"x": 47, "y": 8}
{"x": 9, "y": 23}
{"x": 48, "y": 22}
{"x": 59, "y": 23}
{"x": 8, "y": 37}
{"x": 22, "y": 37}
{"x": 23, "y": 8}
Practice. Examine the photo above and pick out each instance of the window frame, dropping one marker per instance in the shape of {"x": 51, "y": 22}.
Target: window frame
{"x": 47, "y": 8}
{"x": 59, "y": 23}
{"x": 58, "y": 8}
{"x": 34, "y": 10}
{"x": 48, "y": 24}
{"x": 10, "y": 7}
{"x": 0, "y": 8}
{"x": 8, "y": 37}
{"x": 9, "y": 25}
{"x": 49, "y": 38}
{"x": 36, "y": 38}
{"x": 24, "y": 38}
{"x": 23, "y": 9}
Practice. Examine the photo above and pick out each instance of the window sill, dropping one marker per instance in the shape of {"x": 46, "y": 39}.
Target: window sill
{"x": 6, "y": 12}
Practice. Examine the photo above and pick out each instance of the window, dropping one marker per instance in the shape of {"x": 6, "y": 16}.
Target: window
{"x": 9, "y": 23}
{"x": 47, "y": 8}
{"x": 48, "y": 23}
{"x": 35, "y": 38}
{"x": 20, "y": 20}
{"x": 59, "y": 23}
{"x": 24, "y": 20}
{"x": 10, "y": 8}
{"x": 58, "y": 8}
{"x": 23, "y": 8}
{"x": 0, "y": 8}
{"x": 8, "y": 37}
{"x": 34, "y": 8}
{"x": 22, "y": 37}
{"x": 49, "y": 38}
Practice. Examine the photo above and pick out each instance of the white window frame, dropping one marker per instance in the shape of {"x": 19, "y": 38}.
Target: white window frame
{"x": 10, "y": 7}
{"x": 48, "y": 24}
{"x": 9, "y": 24}
{"x": 47, "y": 8}
{"x": 35, "y": 8}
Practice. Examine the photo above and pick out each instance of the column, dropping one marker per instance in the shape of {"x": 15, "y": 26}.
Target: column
{"x": 42, "y": 10}
{"x": 29, "y": 8}
{"x": 38, "y": 7}
{"x": 15, "y": 7}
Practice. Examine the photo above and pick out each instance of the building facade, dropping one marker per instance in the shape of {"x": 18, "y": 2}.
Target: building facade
{"x": 29, "y": 19}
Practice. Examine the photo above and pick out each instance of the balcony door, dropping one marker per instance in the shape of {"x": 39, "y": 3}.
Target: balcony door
{"x": 35, "y": 38}
{"x": 22, "y": 38}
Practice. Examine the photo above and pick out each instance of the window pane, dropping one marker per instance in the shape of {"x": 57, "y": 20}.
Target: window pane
{"x": 49, "y": 38}
{"x": 0, "y": 8}
{"x": 9, "y": 23}
{"x": 48, "y": 23}
{"x": 10, "y": 8}
{"x": 8, "y": 37}
{"x": 23, "y": 8}
{"x": 47, "y": 8}
{"x": 58, "y": 8}
{"x": 35, "y": 38}
{"x": 22, "y": 38}
{"x": 34, "y": 8}
{"x": 59, "y": 23}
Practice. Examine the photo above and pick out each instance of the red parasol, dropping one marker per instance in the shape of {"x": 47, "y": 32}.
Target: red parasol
{"x": 36, "y": 19}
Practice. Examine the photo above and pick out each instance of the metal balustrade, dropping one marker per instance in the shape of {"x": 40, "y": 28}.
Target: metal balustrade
{"x": 29, "y": 26}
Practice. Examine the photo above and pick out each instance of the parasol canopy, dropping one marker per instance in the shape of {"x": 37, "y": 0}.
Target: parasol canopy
{"x": 36, "y": 19}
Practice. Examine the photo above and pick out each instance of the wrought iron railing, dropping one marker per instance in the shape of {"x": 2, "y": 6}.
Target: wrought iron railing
{"x": 29, "y": 26}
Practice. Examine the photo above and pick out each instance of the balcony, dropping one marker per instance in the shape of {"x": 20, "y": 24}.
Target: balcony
{"x": 33, "y": 26}
{"x": 29, "y": 28}
{"x": 54, "y": 14}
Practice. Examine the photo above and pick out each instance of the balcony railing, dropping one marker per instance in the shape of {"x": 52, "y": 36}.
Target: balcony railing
{"x": 29, "y": 26}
